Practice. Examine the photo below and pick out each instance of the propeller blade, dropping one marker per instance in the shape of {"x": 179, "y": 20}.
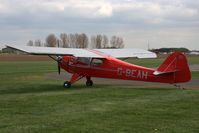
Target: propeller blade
{"x": 59, "y": 69}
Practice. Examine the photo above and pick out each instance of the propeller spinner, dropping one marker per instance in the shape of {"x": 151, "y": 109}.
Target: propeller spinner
{"x": 59, "y": 58}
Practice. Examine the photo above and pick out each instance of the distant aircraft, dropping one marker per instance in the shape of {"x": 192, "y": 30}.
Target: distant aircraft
{"x": 103, "y": 63}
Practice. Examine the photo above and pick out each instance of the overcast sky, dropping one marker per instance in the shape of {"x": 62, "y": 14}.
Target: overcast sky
{"x": 162, "y": 23}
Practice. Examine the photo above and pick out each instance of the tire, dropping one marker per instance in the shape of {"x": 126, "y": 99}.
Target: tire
{"x": 89, "y": 83}
{"x": 67, "y": 84}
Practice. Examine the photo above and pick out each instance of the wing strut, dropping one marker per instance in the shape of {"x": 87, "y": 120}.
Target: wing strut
{"x": 52, "y": 57}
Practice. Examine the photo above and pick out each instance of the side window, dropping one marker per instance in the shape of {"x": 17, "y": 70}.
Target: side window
{"x": 84, "y": 60}
{"x": 97, "y": 62}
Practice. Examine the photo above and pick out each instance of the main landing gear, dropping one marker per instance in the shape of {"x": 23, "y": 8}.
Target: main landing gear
{"x": 89, "y": 83}
{"x": 67, "y": 84}
{"x": 75, "y": 78}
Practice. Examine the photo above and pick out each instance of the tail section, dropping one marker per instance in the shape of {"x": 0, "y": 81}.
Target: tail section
{"x": 175, "y": 64}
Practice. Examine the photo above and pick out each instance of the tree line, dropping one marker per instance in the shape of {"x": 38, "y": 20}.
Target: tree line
{"x": 79, "y": 41}
{"x": 168, "y": 50}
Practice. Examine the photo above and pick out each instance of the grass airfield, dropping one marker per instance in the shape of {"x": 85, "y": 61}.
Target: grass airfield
{"x": 30, "y": 102}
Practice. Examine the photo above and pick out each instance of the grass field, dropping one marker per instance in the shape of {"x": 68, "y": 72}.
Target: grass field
{"x": 195, "y": 75}
{"x": 31, "y": 103}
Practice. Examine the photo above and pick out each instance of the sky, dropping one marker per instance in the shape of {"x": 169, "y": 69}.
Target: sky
{"x": 159, "y": 23}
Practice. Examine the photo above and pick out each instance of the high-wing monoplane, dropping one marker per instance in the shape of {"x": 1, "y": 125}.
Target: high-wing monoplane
{"x": 104, "y": 63}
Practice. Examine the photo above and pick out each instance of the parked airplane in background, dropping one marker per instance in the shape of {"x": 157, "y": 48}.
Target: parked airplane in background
{"x": 103, "y": 63}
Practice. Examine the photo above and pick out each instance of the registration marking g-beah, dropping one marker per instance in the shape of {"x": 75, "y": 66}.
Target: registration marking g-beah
{"x": 132, "y": 73}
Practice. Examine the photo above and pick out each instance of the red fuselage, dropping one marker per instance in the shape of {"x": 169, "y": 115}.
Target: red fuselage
{"x": 110, "y": 67}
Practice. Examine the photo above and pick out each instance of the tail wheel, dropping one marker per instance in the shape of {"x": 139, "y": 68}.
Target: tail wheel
{"x": 67, "y": 84}
{"x": 89, "y": 83}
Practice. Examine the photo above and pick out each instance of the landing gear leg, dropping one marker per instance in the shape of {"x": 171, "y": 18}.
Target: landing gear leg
{"x": 89, "y": 82}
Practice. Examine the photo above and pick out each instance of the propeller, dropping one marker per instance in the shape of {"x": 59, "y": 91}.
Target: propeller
{"x": 59, "y": 58}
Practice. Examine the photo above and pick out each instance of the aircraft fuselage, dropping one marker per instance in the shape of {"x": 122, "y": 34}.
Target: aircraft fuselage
{"x": 113, "y": 68}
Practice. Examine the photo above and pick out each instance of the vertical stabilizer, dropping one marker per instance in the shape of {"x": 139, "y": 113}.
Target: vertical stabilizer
{"x": 176, "y": 64}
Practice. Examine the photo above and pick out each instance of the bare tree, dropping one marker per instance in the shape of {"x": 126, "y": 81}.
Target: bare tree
{"x": 72, "y": 40}
{"x": 59, "y": 43}
{"x": 64, "y": 40}
{"x": 38, "y": 43}
{"x": 120, "y": 42}
{"x": 104, "y": 41}
{"x": 117, "y": 42}
{"x": 113, "y": 41}
{"x": 84, "y": 40}
{"x": 30, "y": 43}
{"x": 93, "y": 41}
{"x": 99, "y": 41}
{"x": 78, "y": 39}
{"x": 51, "y": 40}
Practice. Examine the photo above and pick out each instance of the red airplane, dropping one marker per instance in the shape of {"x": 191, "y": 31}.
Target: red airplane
{"x": 103, "y": 63}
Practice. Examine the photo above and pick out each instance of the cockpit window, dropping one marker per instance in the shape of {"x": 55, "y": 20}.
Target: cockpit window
{"x": 84, "y": 60}
{"x": 97, "y": 62}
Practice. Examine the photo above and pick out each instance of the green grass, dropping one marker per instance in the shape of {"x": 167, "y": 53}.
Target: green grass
{"x": 31, "y": 103}
{"x": 146, "y": 62}
{"x": 27, "y": 67}
{"x": 193, "y": 60}
{"x": 194, "y": 75}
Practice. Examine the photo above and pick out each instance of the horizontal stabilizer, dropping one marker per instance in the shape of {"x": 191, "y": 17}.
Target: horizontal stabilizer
{"x": 159, "y": 73}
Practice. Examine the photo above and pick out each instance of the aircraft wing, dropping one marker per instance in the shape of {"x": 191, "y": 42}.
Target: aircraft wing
{"x": 127, "y": 53}
{"x": 95, "y": 53}
{"x": 55, "y": 51}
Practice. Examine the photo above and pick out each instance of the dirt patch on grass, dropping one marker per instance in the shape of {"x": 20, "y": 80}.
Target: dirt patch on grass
{"x": 194, "y": 67}
{"x": 31, "y": 77}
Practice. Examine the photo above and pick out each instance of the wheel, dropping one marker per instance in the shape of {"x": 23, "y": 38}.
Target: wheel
{"x": 89, "y": 83}
{"x": 67, "y": 84}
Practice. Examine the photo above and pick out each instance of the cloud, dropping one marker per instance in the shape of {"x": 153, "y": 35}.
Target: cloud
{"x": 37, "y": 18}
{"x": 149, "y": 11}
{"x": 4, "y": 9}
{"x": 88, "y": 9}
{"x": 153, "y": 12}
{"x": 157, "y": 38}
{"x": 105, "y": 10}
{"x": 68, "y": 8}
